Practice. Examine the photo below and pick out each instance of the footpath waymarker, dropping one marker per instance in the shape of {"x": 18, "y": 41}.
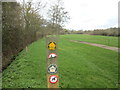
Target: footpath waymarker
{"x": 52, "y": 69}
{"x": 52, "y": 46}
{"x": 52, "y": 55}
{"x": 53, "y": 79}
{"x": 52, "y": 66}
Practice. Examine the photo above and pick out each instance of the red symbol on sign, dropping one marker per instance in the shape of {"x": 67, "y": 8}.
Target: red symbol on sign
{"x": 52, "y": 55}
{"x": 53, "y": 79}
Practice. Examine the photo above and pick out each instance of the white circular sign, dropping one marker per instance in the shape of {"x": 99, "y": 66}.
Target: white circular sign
{"x": 53, "y": 79}
{"x": 52, "y": 55}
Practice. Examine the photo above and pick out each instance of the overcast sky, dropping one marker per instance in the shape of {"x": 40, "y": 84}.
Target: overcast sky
{"x": 90, "y": 14}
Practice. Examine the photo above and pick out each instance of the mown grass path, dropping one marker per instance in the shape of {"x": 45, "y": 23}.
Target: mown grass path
{"x": 80, "y": 66}
{"x": 116, "y": 49}
{"x": 105, "y": 40}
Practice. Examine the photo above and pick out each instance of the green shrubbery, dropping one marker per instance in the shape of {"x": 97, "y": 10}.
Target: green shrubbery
{"x": 19, "y": 28}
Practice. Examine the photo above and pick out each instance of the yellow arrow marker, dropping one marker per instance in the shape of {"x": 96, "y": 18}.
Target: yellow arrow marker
{"x": 52, "y": 46}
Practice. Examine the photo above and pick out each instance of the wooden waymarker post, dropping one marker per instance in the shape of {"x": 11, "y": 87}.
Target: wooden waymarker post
{"x": 52, "y": 66}
{"x": 26, "y": 49}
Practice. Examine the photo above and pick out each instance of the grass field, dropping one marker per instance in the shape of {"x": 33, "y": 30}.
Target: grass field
{"x": 105, "y": 40}
{"x": 80, "y": 66}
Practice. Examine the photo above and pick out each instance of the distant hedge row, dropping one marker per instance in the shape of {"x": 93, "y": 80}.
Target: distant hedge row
{"x": 106, "y": 32}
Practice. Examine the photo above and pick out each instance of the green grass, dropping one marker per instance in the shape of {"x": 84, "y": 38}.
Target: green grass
{"x": 105, "y": 40}
{"x": 80, "y": 66}
{"x": 28, "y": 70}
{"x": 86, "y": 66}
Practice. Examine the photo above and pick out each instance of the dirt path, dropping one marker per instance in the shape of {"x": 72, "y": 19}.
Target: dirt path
{"x": 99, "y": 45}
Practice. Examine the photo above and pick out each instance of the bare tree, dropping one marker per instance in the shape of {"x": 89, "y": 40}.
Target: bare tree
{"x": 57, "y": 14}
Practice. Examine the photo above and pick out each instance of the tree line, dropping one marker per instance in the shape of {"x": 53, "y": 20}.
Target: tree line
{"x": 104, "y": 32}
{"x": 23, "y": 23}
